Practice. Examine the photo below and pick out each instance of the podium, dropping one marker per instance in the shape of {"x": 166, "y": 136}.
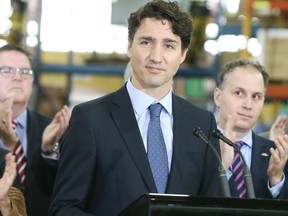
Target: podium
{"x": 184, "y": 205}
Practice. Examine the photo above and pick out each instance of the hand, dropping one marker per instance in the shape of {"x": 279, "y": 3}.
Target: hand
{"x": 227, "y": 152}
{"x": 7, "y": 133}
{"x": 278, "y": 160}
{"x": 278, "y": 127}
{"x": 6, "y": 183}
{"x": 55, "y": 129}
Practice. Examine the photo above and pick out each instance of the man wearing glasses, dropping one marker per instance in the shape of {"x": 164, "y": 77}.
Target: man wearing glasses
{"x": 30, "y": 136}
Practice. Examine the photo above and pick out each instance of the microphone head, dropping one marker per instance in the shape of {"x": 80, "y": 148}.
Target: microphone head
{"x": 216, "y": 133}
{"x": 196, "y": 131}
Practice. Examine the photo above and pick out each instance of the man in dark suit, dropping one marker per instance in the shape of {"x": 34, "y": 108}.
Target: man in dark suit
{"x": 104, "y": 165}
{"x": 239, "y": 96}
{"x": 36, "y": 134}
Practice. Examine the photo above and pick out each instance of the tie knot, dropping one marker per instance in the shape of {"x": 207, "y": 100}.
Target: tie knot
{"x": 14, "y": 124}
{"x": 240, "y": 144}
{"x": 155, "y": 110}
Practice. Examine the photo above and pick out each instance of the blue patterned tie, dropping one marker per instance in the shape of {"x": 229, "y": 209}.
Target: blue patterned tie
{"x": 156, "y": 149}
{"x": 237, "y": 173}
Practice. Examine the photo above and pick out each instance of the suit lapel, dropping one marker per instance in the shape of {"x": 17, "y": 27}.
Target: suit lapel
{"x": 182, "y": 134}
{"x": 124, "y": 118}
{"x": 259, "y": 162}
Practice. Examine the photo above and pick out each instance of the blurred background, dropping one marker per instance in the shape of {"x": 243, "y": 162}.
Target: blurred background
{"x": 79, "y": 47}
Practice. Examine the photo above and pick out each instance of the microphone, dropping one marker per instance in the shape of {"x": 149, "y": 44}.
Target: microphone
{"x": 246, "y": 171}
{"x": 222, "y": 172}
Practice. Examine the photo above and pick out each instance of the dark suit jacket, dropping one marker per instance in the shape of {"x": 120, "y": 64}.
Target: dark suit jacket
{"x": 40, "y": 174}
{"x": 259, "y": 166}
{"x": 104, "y": 167}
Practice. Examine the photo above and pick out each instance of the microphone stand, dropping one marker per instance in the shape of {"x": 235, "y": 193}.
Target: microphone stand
{"x": 246, "y": 171}
{"x": 222, "y": 172}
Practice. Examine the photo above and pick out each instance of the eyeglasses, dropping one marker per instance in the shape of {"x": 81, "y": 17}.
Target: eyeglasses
{"x": 10, "y": 72}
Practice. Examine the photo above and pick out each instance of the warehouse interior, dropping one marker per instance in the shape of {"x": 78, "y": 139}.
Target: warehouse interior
{"x": 79, "y": 47}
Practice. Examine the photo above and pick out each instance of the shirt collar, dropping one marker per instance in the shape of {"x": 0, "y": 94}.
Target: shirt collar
{"x": 22, "y": 119}
{"x": 247, "y": 138}
{"x": 141, "y": 101}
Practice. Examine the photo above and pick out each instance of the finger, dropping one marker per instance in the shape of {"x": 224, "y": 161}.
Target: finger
{"x": 282, "y": 148}
{"x": 66, "y": 117}
{"x": 278, "y": 119}
{"x": 10, "y": 160}
{"x": 285, "y": 144}
{"x": 228, "y": 128}
{"x": 278, "y": 143}
{"x": 66, "y": 108}
{"x": 285, "y": 137}
{"x": 8, "y": 102}
{"x": 6, "y": 117}
{"x": 282, "y": 122}
{"x": 274, "y": 156}
{"x": 10, "y": 168}
{"x": 4, "y": 114}
{"x": 57, "y": 117}
{"x": 285, "y": 122}
{"x": 62, "y": 124}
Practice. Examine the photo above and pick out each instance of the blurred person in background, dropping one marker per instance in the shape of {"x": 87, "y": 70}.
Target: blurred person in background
{"x": 32, "y": 137}
{"x": 239, "y": 97}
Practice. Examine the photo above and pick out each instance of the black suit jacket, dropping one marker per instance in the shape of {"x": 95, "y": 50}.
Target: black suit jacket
{"x": 40, "y": 174}
{"x": 104, "y": 167}
{"x": 259, "y": 166}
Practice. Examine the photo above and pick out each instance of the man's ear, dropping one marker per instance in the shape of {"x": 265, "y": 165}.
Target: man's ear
{"x": 128, "y": 49}
{"x": 217, "y": 96}
{"x": 183, "y": 57}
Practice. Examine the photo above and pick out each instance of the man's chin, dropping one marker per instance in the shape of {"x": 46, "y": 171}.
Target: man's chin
{"x": 18, "y": 99}
{"x": 243, "y": 127}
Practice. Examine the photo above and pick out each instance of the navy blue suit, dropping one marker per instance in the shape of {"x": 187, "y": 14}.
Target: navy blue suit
{"x": 259, "y": 166}
{"x": 104, "y": 167}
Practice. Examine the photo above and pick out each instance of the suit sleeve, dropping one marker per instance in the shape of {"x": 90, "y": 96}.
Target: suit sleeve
{"x": 76, "y": 166}
{"x": 284, "y": 192}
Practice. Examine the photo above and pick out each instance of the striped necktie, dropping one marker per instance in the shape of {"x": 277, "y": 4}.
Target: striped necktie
{"x": 156, "y": 149}
{"x": 20, "y": 157}
{"x": 238, "y": 183}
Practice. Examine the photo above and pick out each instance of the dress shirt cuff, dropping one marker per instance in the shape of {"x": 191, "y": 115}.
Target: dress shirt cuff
{"x": 52, "y": 161}
{"x": 275, "y": 190}
{"x": 228, "y": 174}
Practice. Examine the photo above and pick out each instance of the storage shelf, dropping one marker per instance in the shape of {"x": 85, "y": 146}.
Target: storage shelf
{"x": 277, "y": 91}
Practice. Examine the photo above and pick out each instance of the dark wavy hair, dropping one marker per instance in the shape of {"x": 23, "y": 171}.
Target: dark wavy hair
{"x": 163, "y": 10}
{"x": 241, "y": 63}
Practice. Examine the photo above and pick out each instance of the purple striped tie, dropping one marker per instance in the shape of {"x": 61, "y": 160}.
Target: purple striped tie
{"x": 237, "y": 173}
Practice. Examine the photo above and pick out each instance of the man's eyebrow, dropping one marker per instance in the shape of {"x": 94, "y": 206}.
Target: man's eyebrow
{"x": 165, "y": 39}
{"x": 146, "y": 38}
{"x": 170, "y": 40}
